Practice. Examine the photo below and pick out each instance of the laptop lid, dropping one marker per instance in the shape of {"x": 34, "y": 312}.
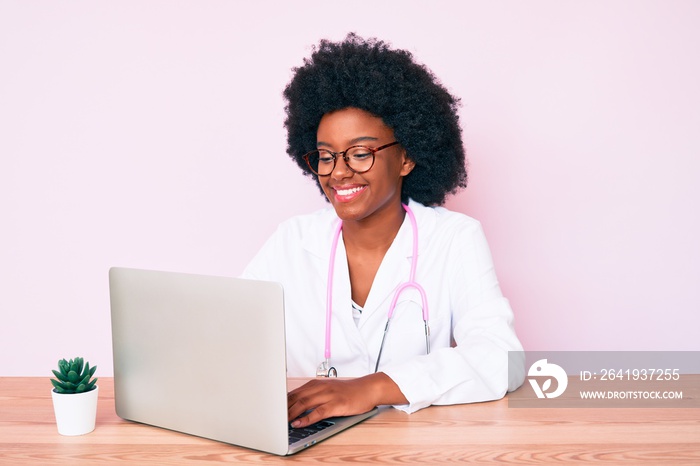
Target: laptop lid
{"x": 204, "y": 356}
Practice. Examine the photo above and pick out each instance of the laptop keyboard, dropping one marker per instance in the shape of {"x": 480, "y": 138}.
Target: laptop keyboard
{"x": 301, "y": 433}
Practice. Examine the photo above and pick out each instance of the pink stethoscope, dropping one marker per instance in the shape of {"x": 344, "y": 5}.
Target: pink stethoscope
{"x": 325, "y": 369}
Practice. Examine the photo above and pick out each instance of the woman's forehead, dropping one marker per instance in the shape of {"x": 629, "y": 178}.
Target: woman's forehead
{"x": 352, "y": 125}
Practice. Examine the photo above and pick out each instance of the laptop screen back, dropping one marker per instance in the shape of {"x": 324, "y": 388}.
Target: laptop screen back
{"x": 201, "y": 355}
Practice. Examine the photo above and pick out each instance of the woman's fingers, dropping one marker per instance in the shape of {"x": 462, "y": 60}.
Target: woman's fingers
{"x": 322, "y": 398}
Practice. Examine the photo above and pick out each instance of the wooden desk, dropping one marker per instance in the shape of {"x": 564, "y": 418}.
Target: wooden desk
{"x": 483, "y": 433}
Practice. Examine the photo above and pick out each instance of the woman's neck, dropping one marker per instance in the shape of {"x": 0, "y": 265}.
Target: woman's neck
{"x": 375, "y": 233}
{"x": 366, "y": 242}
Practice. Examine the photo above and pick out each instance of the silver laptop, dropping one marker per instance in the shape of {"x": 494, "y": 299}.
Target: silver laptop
{"x": 206, "y": 356}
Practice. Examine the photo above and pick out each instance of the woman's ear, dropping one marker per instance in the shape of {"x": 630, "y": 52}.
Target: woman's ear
{"x": 408, "y": 164}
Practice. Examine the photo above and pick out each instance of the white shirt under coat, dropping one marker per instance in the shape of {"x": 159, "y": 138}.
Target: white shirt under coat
{"x": 465, "y": 302}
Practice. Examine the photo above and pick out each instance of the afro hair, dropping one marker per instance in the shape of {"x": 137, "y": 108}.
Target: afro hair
{"x": 388, "y": 83}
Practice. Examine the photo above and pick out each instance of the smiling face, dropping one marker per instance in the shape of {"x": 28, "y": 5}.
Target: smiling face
{"x": 362, "y": 196}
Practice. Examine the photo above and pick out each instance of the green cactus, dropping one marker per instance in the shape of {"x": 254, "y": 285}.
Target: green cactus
{"x": 73, "y": 376}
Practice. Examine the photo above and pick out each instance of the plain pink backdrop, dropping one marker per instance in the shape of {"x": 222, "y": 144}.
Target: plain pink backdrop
{"x": 149, "y": 134}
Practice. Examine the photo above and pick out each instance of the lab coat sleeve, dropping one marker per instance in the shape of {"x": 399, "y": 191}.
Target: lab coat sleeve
{"x": 476, "y": 369}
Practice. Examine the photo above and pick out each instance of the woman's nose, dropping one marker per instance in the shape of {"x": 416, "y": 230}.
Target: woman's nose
{"x": 341, "y": 169}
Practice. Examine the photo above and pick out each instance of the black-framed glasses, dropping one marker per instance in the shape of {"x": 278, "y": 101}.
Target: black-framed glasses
{"x": 358, "y": 159}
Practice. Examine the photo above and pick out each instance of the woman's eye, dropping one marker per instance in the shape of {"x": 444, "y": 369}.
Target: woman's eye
{"x": 361, "y": 155}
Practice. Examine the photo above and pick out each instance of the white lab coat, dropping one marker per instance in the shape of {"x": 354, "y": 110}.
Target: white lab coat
{"x": 465, "y": 304}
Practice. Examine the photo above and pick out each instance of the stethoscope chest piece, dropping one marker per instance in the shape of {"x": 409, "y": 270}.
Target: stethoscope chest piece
{"x": 324, "y": 370}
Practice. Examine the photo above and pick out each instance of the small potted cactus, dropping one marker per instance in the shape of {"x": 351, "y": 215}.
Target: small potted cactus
{"x": 74, "y": 397}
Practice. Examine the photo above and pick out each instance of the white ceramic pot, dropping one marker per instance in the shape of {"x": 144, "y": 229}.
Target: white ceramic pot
{"x": 75, "y": 412}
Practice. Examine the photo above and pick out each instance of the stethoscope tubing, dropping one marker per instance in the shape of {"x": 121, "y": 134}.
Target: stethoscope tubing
{"x": 411, "y": 283}
{"x": 329, "y": 290}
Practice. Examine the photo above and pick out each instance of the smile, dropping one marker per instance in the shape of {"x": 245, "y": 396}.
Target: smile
{"x": 348, "y": 194}
{"x": 350, "y": 191}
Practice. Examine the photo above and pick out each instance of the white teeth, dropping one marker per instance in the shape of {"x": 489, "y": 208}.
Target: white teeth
{"x": 347, "y": 192}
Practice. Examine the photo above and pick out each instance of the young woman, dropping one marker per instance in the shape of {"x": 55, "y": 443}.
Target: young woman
{"x": 381, "y": 137}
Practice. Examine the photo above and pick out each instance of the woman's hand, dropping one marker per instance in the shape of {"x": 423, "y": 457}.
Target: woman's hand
{"x": 329, "y": 397}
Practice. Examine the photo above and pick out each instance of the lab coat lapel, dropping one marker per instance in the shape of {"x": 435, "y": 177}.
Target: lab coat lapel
{"x": 342, "y": 294}
{"x": 318, "y": 242}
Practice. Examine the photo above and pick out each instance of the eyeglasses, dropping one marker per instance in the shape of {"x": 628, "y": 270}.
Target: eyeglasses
{"x": 359, "y": 159}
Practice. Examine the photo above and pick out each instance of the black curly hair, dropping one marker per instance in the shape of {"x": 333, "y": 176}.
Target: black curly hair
{"x": 369, "y": 75}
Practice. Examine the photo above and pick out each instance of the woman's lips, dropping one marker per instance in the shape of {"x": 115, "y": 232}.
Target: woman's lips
{"x": 347, "y": 193}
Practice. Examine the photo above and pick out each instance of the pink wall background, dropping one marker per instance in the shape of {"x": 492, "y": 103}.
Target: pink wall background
{"x": 149, "y": 134}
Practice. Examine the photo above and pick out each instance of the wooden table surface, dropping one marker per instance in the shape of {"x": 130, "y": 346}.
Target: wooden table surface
{"x": 481, "y": 433}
